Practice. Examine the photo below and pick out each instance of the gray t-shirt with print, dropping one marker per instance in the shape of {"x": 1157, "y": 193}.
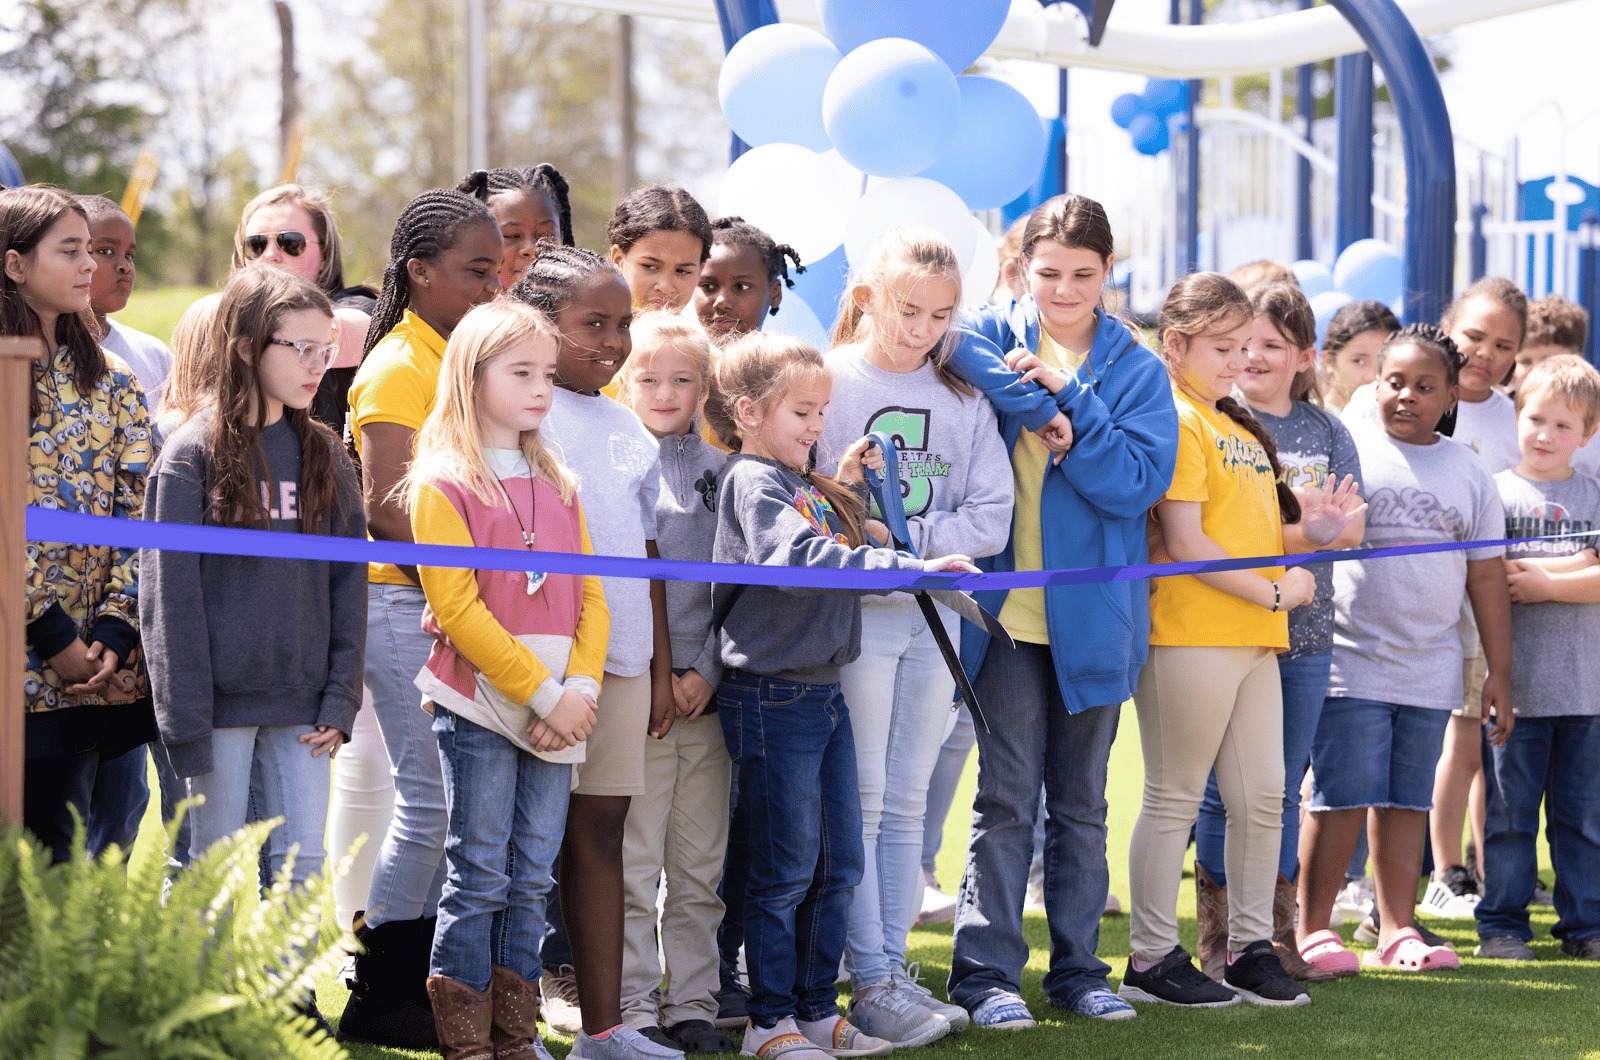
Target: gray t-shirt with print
{"x": 1552, "y": 643}
{"x": 1313, "y": 446}
{"x": 1394, "y": 617}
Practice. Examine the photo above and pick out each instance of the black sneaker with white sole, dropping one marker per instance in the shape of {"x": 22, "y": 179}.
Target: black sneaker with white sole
{"x": 1175, "y": 981}
{"x": 1260, "y": 978}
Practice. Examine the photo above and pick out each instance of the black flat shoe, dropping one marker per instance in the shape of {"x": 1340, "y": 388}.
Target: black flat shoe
{"x": 699, "y": 1036}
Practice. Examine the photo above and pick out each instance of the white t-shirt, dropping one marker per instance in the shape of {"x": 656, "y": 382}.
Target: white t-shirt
{"x": 618, "y": 464}
{"x": 147, "y": 355}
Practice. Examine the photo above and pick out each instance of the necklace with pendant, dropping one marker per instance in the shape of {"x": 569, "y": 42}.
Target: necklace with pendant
{"x": 535, "y": 578}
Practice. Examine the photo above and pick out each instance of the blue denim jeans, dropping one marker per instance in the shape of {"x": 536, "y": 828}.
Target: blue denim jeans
{"x": 1368, "y": 753}
{"x": 901, "y": 698}
{"x": 796, "y": 759}
{"x": 508, "y": 812}
{"x": 735, "y": 881}
{"x": 293, "y": 786}
{"x": 121, "y": 792}
{"x": 409, "y": 872}
{"x": 1558, "y": 760}
{"x": 1033, "y": 741}
{"x": 1305, "y": 684}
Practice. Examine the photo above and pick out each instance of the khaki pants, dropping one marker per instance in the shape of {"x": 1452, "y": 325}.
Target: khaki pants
{"x": 1199, "y": 709}
{"x": 680, "y": 826}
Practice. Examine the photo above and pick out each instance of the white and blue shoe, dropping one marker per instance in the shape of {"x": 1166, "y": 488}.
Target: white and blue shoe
{"x": 1004, "y": 1011}
{"x": 1099, "y": 1003}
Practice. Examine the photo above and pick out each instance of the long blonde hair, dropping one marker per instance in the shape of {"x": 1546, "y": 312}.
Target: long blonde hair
{"x": 898, "y": 260}
{"x": 655, "y": 330}
{"x": 189, "y": 385}
{"x": 449, "y": 445}
{"x": 763, "y": 366}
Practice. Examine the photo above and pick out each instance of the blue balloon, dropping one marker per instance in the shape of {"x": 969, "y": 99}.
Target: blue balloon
{"x": 1125, "y": 108}
{"x": 999, "y": 146}
{"x": 822, "y": 286}
{"x": 1370, "y": 268}
{"x": 891, "y": 108}
{"x": 771, "y": 86}
{"x": 957, "y": 31}
{"x": 1314, "y": 277}
{"x": 1149, "y": 134}
{"x": 1324, "y": 306}
{"x": 1165, "y": 96}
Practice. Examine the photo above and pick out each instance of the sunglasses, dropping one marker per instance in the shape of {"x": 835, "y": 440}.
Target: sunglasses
{"x": 314, "y": 356}
{"x": 291, "y": 243}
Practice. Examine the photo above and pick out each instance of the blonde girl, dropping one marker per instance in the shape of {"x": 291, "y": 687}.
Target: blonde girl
{"x": 513, "y": 675}
{"x": 782, "y": 709}
{"x": 680, "y": 824}
{"x": 890, "y": 372}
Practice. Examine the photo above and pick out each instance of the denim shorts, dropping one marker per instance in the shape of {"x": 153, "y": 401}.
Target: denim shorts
{"x": 1375, "y": 754}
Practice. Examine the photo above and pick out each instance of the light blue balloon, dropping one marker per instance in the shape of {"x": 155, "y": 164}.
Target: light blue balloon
{"x": 771, "y": 83}
{"x": 957, "y": 31}
{"x": 1324, "y": 306}
{"x": 1165, "y": 96}
{"x": 1125, "y": 108}
{"x": 891, "y": 108}
{"x": 999, "y": 146}
{"x": 1370, "y": 268}
{"x": 1149, "y": 133}
{"x": 1314, "y": 277}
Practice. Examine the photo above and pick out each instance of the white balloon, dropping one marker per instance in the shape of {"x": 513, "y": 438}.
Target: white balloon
{"x": 910, "y": 201}
{"x": 797, "y": 319}
{"x": 852, "y": 177}
{"x": 792, "y": 194}
{"x": 977, "y": 283}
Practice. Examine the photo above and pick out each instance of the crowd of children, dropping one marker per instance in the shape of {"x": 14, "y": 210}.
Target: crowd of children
{"x": 583, "y": 796}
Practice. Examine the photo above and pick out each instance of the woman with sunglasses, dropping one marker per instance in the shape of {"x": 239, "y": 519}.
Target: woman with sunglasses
{"x": 291, "y": 227}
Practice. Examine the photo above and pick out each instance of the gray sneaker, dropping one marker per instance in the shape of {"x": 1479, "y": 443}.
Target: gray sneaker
{"x": 623, "y": 1043}
{"x": 908, "y": 983}
{"x": 1584, "y": 949}
{"x": 1504, "y": 948}
{"x": 883, "y": 1012}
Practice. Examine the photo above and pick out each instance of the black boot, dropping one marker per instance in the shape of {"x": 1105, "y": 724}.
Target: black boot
{"x": 384, "y": 1008}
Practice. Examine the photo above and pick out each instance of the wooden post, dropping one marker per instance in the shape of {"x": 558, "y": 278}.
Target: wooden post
{"x": 16, "y": 358}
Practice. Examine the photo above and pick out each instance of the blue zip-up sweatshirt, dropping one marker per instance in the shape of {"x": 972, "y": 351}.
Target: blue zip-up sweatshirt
{"x": 1124, "y": 448}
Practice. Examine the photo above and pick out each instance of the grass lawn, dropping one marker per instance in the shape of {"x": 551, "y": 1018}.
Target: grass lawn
{"x": 155, "y": 310}
{"x": 1549, "y": 1009}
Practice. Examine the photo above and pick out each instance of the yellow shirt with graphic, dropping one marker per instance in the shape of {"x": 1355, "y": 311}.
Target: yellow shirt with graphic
{"x": 1023, "y": 612}
{"x": 1225, "y": 469}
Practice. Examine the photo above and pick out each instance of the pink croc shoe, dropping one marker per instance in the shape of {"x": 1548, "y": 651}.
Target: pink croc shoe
{"x": 1325, "y": 951}
{"x": 1406, "y": 952}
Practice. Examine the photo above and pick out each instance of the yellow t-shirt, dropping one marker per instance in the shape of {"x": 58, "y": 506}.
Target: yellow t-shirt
{"x": 1224, "y": 468}
{"x": 1023, "y": 612}
{"x": 397, "y": 384}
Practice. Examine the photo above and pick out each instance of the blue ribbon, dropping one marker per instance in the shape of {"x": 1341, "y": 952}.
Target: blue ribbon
{"x": 47, "y": 524}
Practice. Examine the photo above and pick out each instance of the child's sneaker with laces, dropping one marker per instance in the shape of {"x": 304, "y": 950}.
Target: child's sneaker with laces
{"x": 1503, "y": 948}
{"x": 836, "y": 1036}
{"x": 621, "y": 1043}
{"x": 1174, "y": 980}
{"x": 1454, "y": 895}
{"x": 883, "y": 1012}
{"x": 1099, "y": 1003}
{"x": 908, "y": 982}
{"x": 1259, "y": 977}
{"x": 1004, "y": 1011}
{"x": 782, "y": 1039}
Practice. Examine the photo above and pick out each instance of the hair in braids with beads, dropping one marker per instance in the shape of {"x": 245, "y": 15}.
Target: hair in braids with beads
{"x": 736, "y": 231}
{"x": 430, "y": 224}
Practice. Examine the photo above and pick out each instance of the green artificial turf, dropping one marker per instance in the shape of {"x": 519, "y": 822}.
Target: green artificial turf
{"x": 1493, "y": 1010}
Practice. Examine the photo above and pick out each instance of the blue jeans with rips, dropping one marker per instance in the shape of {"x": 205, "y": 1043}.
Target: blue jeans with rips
{"x": 796, "y": 758}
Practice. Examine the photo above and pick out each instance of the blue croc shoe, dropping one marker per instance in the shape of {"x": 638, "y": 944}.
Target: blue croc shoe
{"x": 1004, "y": 1012}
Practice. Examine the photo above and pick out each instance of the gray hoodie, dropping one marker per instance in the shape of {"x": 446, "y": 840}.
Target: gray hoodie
{"x": 238, "y": 641}
{"x": 686, "y": 527}
{"x": 767, "y": 514}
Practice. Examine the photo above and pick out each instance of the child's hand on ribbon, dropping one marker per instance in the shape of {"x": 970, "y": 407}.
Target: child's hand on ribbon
{"x": 1327, "y": 509}
{"x": 861, "y": 454}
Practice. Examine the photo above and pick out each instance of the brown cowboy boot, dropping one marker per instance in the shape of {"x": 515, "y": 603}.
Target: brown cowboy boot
{"x": 463, "y": 1018}
{"x": 515, "y": 1010}
{"x": 1283, "y": 941}
{"x": 1211, "y": 910}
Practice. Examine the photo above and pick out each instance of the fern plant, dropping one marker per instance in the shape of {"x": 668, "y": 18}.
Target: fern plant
{"x": 96, "y": 962}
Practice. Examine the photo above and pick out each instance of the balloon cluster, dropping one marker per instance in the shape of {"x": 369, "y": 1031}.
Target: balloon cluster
{"x": 870, "y": 127}
{"x": 1148, "y": 115}
{"x": 1366, "y": 270}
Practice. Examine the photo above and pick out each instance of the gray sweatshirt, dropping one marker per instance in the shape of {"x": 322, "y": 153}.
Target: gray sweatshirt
{"x": 769, "y": 515}
{"x": 238, "y": 641}
{"x": 955, "y": 472}
{"x": 686, "y": 527}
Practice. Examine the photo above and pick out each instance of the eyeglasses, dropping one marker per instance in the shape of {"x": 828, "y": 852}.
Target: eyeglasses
{"x": 313, "y": 355}
{"x": 291, "y": 243}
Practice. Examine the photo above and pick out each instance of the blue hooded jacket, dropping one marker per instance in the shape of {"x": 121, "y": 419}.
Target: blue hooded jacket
{"x": 1093, "y": 504}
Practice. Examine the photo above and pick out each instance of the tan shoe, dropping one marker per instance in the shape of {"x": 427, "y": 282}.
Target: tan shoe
{"x": 1283, "y": 940}
{"x": 515, "y": 1014}
{"x": 1211, "y": 910}
{"x": 464, "y": 1019}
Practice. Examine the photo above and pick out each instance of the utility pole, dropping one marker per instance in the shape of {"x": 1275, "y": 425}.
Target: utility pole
{"x": 622, "y": 88}
{"x": 289, "y": 91}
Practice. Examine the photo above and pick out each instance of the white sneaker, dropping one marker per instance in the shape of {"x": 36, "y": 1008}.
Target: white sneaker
{"x": 837, "y": 1037}
{"x": 937, "y": 907}
{"x": 782, "y": 1039}
{"x": 1439, "y": 900}
{"x": 1355, "y": 898}
{"x": 883, "y": 1012}
{"x": 558, "y": 1001}
{"x": 623, "y": 1043}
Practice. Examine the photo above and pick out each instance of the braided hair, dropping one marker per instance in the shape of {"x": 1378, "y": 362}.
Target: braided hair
{"x": 654, "y": 208}
{"x": 1436, "y": 339}
{"x": 482, "y": 184}
{"x": 551, "y": 281}
{"x": 735, "y": 231}
{"x": 428, "y": 226}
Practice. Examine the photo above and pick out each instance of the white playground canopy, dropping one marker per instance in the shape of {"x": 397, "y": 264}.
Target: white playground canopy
{"x": 1059, "y": 35}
